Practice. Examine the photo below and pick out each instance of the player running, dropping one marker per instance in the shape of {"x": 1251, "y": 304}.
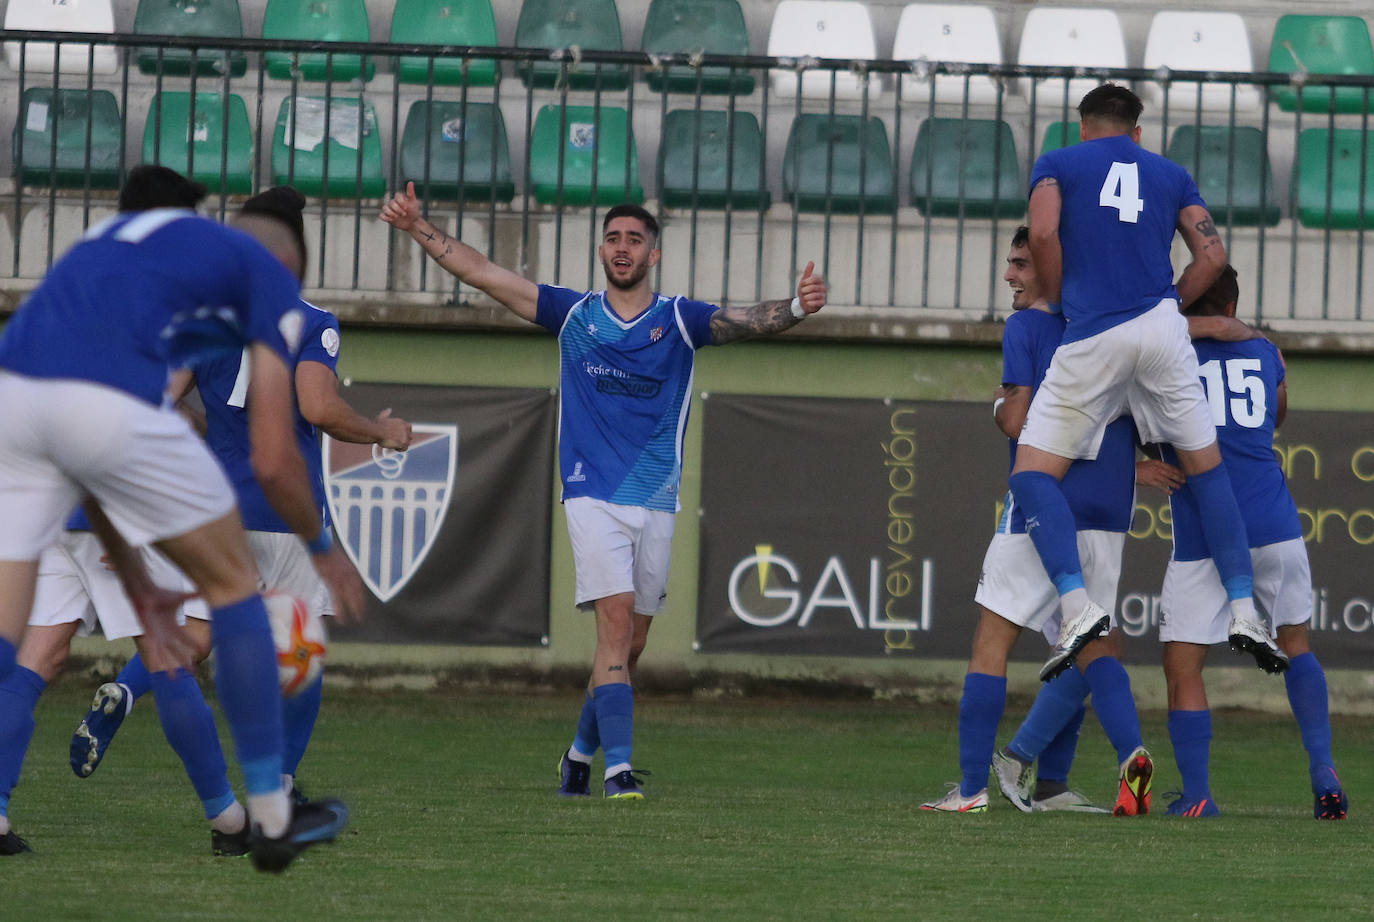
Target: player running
{"x": 1247, "y": 392}
{"x": 1103, "y": 214}
{"x": 626, "y": 356}
{"x": 83, "y": 367}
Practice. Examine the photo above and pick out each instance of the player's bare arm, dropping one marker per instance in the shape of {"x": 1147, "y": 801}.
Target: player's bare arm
{"x": 317, "y": 395}
{"x": 1012, "y": 402}
{"x": 730, "y": 324}
{"x": 1046, "y": 203}
{"x": 517, "y": 293}
{"x": 1152, "y": 472}
{"x": 1224, "y": 329}
{"x": 1209, "y": 253}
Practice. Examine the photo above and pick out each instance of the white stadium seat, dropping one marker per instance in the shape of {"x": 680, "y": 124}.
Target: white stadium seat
{"x": 822, "y": 29}
{"x": 1200, "y": 41}
{"x": 1062, "y": 37}
{"x": 60, "y": 16}
{"x": 948, "y": 32}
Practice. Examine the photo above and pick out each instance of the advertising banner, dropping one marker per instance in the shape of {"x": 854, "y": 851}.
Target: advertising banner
{"x": 451, "y": 537}
{"x": 857, "y": 527}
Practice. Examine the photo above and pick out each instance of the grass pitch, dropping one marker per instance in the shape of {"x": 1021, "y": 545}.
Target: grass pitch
{"x": 757, "y": 809}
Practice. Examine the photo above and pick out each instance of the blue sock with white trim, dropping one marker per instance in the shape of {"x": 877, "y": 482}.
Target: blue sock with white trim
{"x": 8, "y": 652}
{"x": 588, "y": 738}
{"x": 1224, "y": 530}
{"x": 18, "y": 697}
{"x": 615, "y": 717}
{"x": 1307, "y": 696}
{"x": 1114, "y": 704}
{"x": 1050, "y": 524}
{"x": 1055, "y": 706}
{"x": 1191, "y": 734}
{"x": 189, "y": 726}
{"x": 1057, "y": 758}
{"x": 135, "y": 677}
{"x": 249, "y": 693}
{"x": 980, "y": 711}
{"x": 299, "y": 714}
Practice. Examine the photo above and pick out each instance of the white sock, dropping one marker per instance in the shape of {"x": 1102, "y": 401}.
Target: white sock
{"x": 575, "y": 756}
{"x": 4, "y": 824}
{"x": 288, "y": 783}
{"x": 613, "y": 770}
{"x": 1244, "y": 608}
{"x": 1073, "y": 602}
{"x": 231, "y": 819}
{"x": 271, "y": 813}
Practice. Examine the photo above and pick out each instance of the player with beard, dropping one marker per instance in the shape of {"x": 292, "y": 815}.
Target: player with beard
{"x": 626, "y": 358}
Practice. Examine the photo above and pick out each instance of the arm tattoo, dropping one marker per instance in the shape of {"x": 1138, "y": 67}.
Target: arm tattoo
{"x": 1047, "y": 181}
{"x": 734, "y": 323}
{"x": 615, "y": 668}
{"x": 1207, "y": 229}
{"x": 427, "y": 235}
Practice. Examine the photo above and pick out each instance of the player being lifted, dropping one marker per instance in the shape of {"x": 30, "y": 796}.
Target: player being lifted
{"x": 1248, "y": 392}
{"x": 1102, "y": 219}
{"x": 626, "y": 357}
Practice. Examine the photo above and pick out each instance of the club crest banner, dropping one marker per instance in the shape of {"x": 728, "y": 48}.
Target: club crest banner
{"x": 451, "y": 537}
{"x": 858, "y": 527}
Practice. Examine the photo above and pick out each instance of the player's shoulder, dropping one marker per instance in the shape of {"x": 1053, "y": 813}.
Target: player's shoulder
{"x": 1030, "y": 321}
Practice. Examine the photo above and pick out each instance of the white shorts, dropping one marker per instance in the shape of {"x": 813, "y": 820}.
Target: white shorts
{"x": 1015, "y": 586}
{"x": 1193, "y": 605}
{"x": 1145, "y": 367}
{"x": 60, "y": 439}
{"x": 620, "y": 549}
{"x": 284, "y": 563}
{"x": 74, "y": 585}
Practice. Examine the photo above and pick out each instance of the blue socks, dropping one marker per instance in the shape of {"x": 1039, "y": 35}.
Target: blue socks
{"x": 1050, "y": 731}
{"x": 1050, "y": 524}
{"x": 615, "y": 717}
{"x": 189, "y": 727}
{"x": 1224, "y": 530}
{"x": 1191, "y": 734}
{"x": 7, "y": 654}
{"x": 135, "y": 677}
{"x": 980, "y": 710}
{"x": 588, "y": 738}
{"x": 1307, "y": 696}
{"x": 246, "y": 679}
{"x": 1111, "y": 689}
{"x": 299, "y": 713}
{"x": 18, "y": 697}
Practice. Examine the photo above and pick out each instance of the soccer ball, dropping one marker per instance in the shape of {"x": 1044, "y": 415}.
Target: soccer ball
{"x": 298, "y": 634}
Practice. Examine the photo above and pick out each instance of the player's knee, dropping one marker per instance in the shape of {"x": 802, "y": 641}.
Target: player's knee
{"x": 1293, "y": 640}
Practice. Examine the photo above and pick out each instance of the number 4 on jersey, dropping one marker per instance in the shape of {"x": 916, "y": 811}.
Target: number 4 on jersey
{"x": 1121, "y": 190}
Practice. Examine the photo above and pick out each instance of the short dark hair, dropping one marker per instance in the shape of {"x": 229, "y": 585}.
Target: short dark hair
{"x": 151, "y": 186}
{"x": 1212, "y": 302}
{"x": 286, "y": 205}
{"x": 1113, "y": 103}
{"x": 629, "y": 210}
{"x": 1021, "y": 238}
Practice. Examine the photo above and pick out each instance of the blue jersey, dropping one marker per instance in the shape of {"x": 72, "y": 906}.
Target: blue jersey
{"x": 624, "y": 393}
{"x": 1242, "y": 381}
{"x": 1116, "y": 226}
{"x": 223, "y": 383}
{"x": 143, "y": 291}
{"x": 1101, "y": 493}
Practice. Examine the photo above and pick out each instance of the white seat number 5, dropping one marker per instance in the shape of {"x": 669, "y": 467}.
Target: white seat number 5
{"x": 1121, "y": 190}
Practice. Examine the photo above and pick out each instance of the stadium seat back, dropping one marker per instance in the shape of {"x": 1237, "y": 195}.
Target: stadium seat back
{"x": 1231, "y": 167}
{"x": 66, "y": 16}
{"x": 839, "y": 161}
{"x": 588, "y": 24}
{"x": 589, "y": 152}
{"x": 304, "y": 158}
{"x": 1070, "y": 37}
{"x": 50, "y": 139}
{"x": 822, "y": 29}
{"x": 712, "y": 160}
{"x": 453, "y": 153}
{"x": 948, "y": 32}
{"x": 210, "y": 141}
{"x": 1183, "y": 40}
{"x": 1332, "y": 168}
{"x": 1060, "y": 134}
{"x": 318, "y": 21}
{"x": 1321, "y": 45}
{"x": 972, "y": 162}
{"x": 687, "y": 26}
{"x": 198, "y": 18}
{"x": 444, "y": 22}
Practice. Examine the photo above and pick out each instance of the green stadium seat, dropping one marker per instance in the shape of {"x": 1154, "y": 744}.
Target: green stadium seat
{"x": 584, "y": 140}
{"x": 712, "y": 26}
{"x": 972, "y": 162}
{"x": 304, "y": 165}
{"x": 455, "y": 155}
{"x": 1232, "y": 170}
{"x": 1060, "y": 134}
{"x": 196, "y": 18}
{"x": 50, "y": 126}
{"x": 199, "y": 146}
{"x": 588, "y": 24}
{"x": 1321, "y": 45}
{"x": 824, "y": 157}
{"x": 684, "y": 155}
{"x": 1349, "y": 165}
{"x": 444, "y": 22}
{"x": 318, "y": 21}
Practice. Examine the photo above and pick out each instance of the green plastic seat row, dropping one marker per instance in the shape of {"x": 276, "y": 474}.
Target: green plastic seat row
{"x": 68, "y": 138}
{"x": 1333, "y": 180}
{"x": 1321, "y": 45}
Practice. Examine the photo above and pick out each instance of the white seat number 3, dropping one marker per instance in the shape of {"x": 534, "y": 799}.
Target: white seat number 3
{"x": 1121, "y": 190}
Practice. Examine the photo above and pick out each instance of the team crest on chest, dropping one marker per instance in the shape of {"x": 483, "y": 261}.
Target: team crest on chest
{"x": 655, "y": 334}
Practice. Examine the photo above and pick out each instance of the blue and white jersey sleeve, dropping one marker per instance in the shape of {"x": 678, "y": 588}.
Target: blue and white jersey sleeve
{"x": 320, "y": 338}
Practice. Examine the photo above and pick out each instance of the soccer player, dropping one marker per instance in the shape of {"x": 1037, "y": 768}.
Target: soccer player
{"x": 1015, "y": 593}
{"x": 281, "y": 559}
{"x": 1102, "y": 219}
{"x": 83, "y": 367}
{"x": 626, "y": 356}
{"x": 1247, "y": 392}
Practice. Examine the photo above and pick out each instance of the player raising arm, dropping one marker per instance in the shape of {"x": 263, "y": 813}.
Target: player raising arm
{"x": 625, "y": 384}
